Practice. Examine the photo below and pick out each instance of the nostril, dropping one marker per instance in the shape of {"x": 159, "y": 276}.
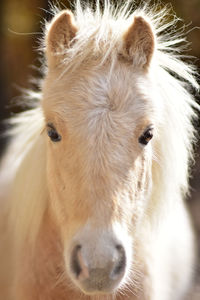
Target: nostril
{"x": 75, "y": 265}
{"x": 121, "y": 261}
{"x": 78, "y": 264}
{"x": 119, "y": 247}
{"x": 119, "y": 267}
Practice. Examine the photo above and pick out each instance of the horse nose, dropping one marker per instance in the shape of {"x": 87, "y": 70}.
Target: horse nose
{"x": 102, "y": 278}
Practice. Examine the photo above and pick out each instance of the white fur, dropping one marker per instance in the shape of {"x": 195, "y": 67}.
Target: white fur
{"x": 164, "y": 236}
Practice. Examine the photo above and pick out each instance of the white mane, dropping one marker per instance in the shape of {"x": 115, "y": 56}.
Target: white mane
{"x": 100, "y": 31}
{"x": 98, "y": 38}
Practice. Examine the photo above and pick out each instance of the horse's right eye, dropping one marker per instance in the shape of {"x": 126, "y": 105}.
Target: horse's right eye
{"x": 146, "y": 136}
{"x": 53, "y": 134}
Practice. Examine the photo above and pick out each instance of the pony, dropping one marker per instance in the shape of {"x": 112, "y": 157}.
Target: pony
{"x": 94, "y": 178}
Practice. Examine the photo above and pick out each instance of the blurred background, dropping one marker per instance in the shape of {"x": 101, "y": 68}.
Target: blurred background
{"x": 20, "y": 29}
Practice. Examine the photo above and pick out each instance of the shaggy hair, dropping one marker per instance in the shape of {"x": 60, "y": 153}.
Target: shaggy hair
{"x": 98, "y": 40}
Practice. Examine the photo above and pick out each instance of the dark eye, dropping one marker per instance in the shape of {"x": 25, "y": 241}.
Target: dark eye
{"x": 146, "y": 136}
{"x": 52, "y": 133}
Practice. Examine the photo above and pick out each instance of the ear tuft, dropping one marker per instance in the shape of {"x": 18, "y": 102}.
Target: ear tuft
{"x": 139, "y": 43}
{"x": 60, "y": 33}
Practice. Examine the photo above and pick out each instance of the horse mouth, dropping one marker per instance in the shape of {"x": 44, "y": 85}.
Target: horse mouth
{"x": 99, "y": 282}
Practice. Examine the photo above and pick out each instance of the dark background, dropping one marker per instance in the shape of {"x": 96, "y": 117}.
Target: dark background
{"x": 20, "y": 28}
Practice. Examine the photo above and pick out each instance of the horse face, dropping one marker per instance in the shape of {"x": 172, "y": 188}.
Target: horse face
{"x": 100, "y": 123}
{"x": 99, "y": 171}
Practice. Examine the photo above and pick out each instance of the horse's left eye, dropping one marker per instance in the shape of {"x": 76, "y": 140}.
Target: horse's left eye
{"x": 52, "y": 133}
{"x": 146, "y": 136}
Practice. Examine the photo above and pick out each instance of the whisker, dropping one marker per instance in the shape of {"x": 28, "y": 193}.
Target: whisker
{"x": 23, "y": 33}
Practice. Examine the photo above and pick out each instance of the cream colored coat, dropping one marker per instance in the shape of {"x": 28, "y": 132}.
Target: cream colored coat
{"x": 107, "y": 81}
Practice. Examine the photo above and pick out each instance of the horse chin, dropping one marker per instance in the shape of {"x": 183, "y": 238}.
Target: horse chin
{"x": 98, "y": 291}
{"x": 96, "y": 287}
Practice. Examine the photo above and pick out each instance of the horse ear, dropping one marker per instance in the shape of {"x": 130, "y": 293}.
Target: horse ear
{"x": 60, "y": 33}
{"x": 139, "y": 43}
